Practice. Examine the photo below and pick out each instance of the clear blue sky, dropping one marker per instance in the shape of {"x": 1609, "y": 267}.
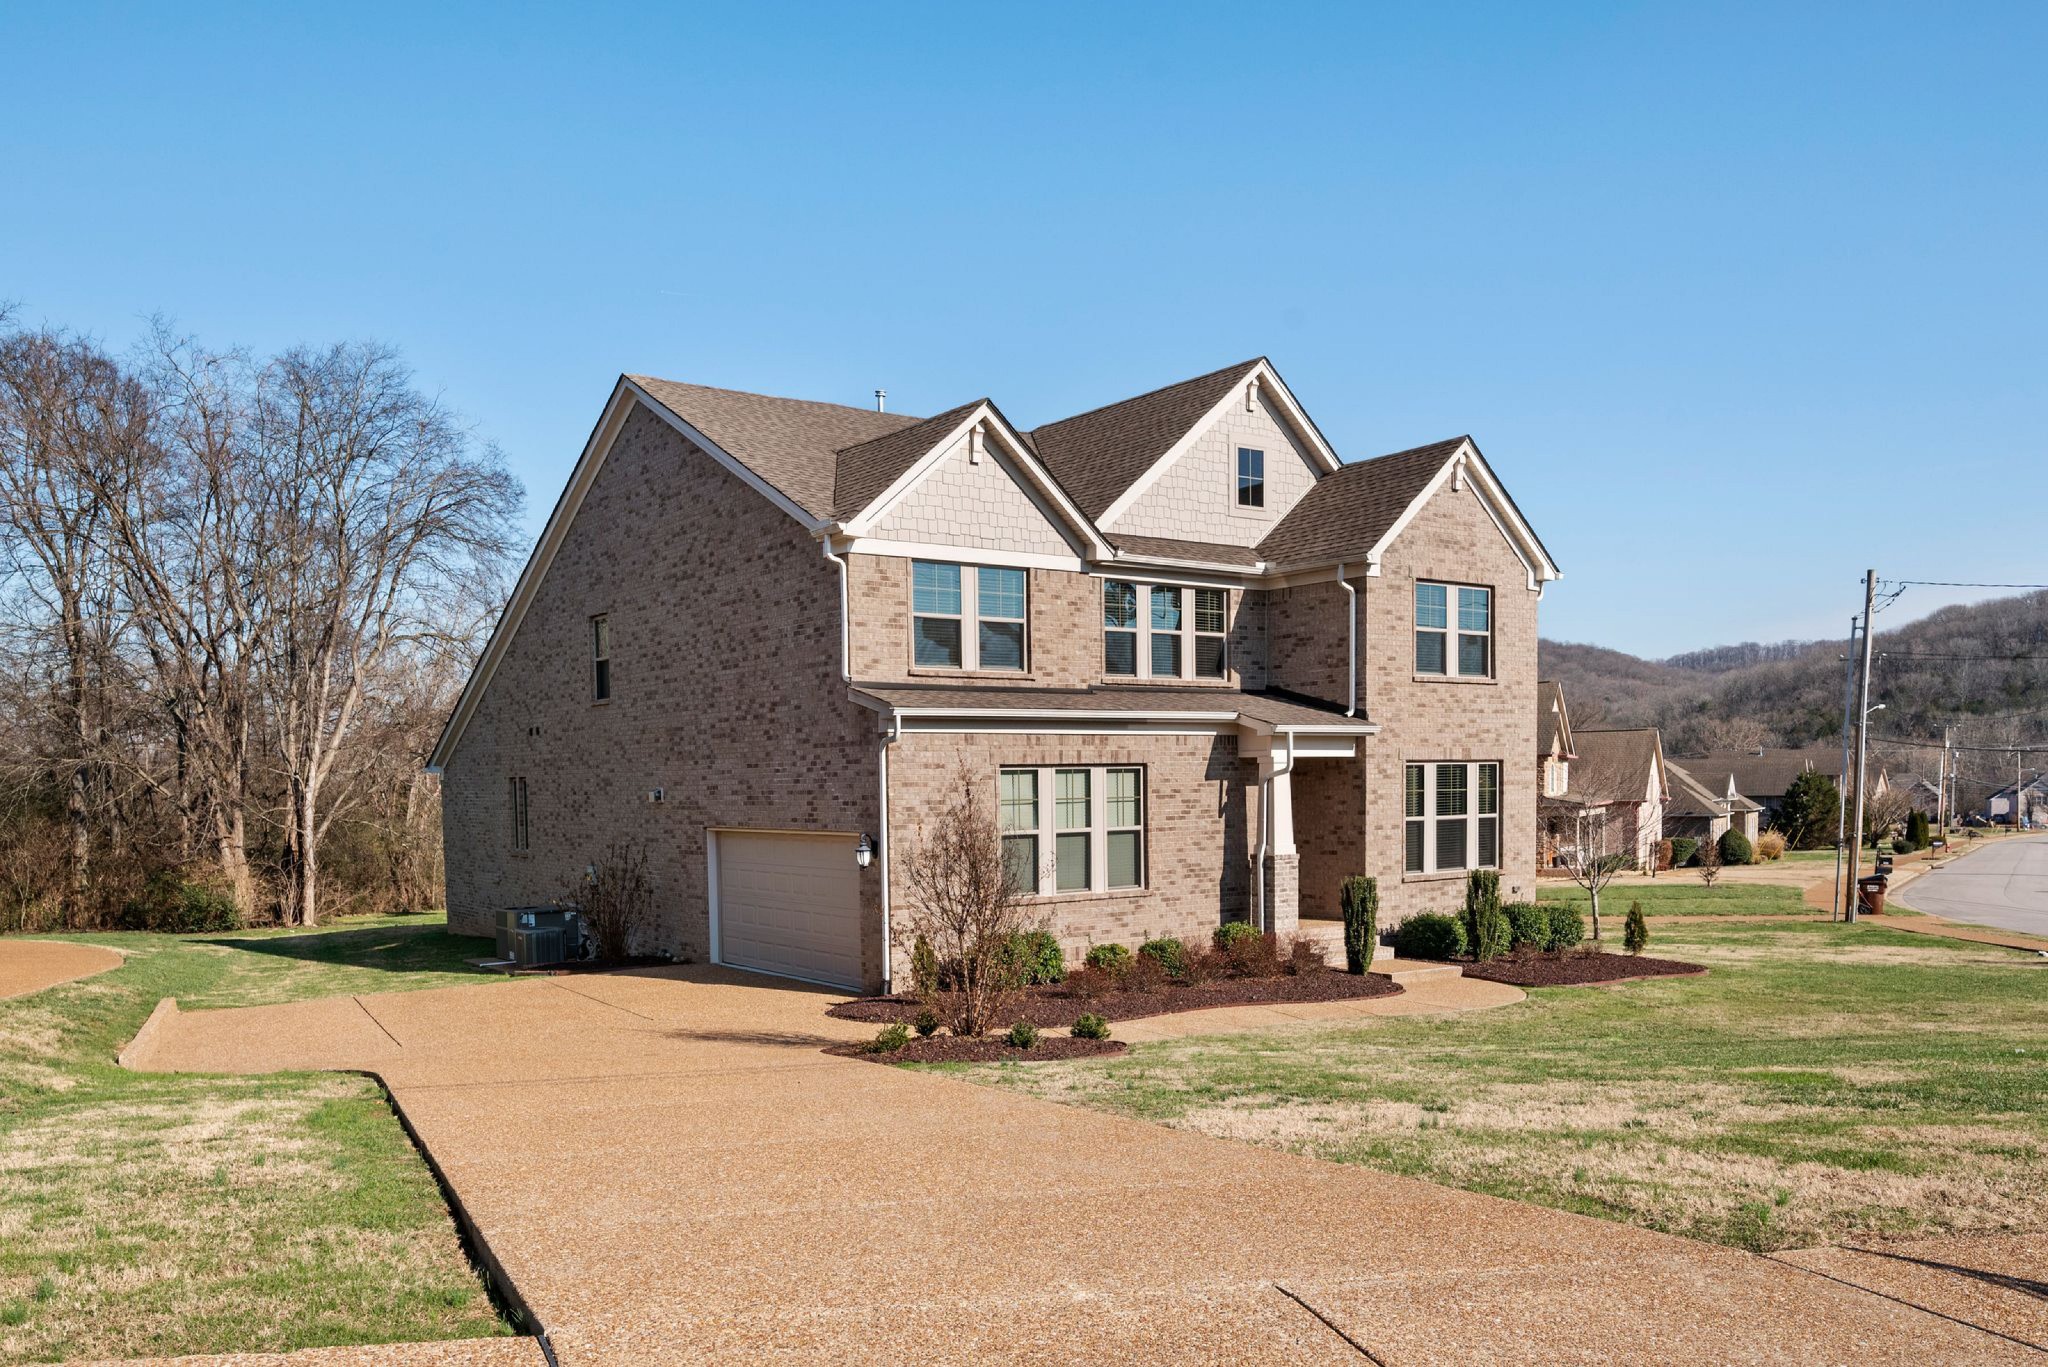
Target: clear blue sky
{"x": 1688, "y": 272}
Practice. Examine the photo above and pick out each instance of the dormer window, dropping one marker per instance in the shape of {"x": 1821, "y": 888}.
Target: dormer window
{"x": 1251, "y": 477}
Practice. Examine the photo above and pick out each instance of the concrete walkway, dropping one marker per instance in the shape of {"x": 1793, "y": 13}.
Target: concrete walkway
{"x": 668, "y": 1170}
{"x": 31, "y": 965}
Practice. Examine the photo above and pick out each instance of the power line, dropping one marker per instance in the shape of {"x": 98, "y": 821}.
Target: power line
{"x": 1973, "y": 749}
{"x": 1923, "y": 655}
{"x": 1956, "y": 584}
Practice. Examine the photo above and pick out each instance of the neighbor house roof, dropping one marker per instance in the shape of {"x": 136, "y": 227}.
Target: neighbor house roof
{"x": 1764, "y": 775}
{"x": 1553, "y": 722}
{"x": 1098, "y": 454}
{"x": 1615, "y": 766}
{"x": 1272, "y": 710}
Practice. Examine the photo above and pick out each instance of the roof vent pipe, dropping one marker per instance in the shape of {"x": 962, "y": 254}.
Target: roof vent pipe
{"x": 881, "y": 400}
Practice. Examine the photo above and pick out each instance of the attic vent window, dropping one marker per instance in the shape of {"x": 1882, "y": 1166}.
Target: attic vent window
{"x": 1251, "y": 478}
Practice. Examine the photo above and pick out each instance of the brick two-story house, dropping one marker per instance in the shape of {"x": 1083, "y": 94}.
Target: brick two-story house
{"x": 1201, "y": 670}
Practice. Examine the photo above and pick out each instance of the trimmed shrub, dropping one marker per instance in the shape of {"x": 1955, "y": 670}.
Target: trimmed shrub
{"x": 1146, "y": 974}
{"x": 1735, "y": 847}
{"x": 890, "y": 1039}
{"x": 1231, "y": 934}
{"x": 1567, "y": 925}
{"x": 1023, "y": 1035}
{"x": 1528, "y": 925}
{"x": 1918, "y": 833}
{"x": 1491, "y": 934}
{"x": 1166, "y": 951}
{"x": 1770, "y": 846}
{"x": 924, "y": 968}
{"x": 1359, "y": 901}
{"x": 1684, "y": 849}
{"x": 1113, "y": 959}
{"x": 1663, "y": 854}
{"x": 1207, "y": 966}
{"x": 1635, "y": 932}
{"x": 170, "y": 905}
{"x": 1430, "y": 935}
{"x": 1305, "y": 956}
{"x": 1090, "y": 1026}
{"x": 1089, "y": 983}
{"x": 1033, "y": 958}
{"x": 1902, "y": 846}
{"x": 927, "y": 1023}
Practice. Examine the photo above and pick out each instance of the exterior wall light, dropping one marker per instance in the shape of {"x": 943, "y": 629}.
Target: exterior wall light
{"x": 864, "y": 853}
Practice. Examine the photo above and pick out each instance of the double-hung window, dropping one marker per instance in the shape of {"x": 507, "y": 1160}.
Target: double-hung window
{"x": 968, "y": 617}
{"x": 1463, "y": 648}
{"x": 601, "y": 658}
{"x": 1251, "y": 477}
{"x": 1164, "y": 631}
{"x": 516, "y": 799}
{"x": 1094, "y": 825}
{"x": 1452, "y": 815}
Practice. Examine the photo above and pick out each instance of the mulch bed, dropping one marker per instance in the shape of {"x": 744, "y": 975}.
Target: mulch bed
{"x": 987, "y": 1049}
{"x": 1579, "y": 969}
{"x": 1053, "y": 1005}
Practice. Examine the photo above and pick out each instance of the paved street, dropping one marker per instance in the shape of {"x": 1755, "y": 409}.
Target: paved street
{"x": 2005, "y": 885}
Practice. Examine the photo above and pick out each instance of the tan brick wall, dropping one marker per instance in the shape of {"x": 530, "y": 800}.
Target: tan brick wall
{"x": 726, "y": 694}
{"x": 1195, "y": 498}
{"x": 1197, "y": 791}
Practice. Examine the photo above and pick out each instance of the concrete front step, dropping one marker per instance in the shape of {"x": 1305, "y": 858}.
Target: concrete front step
{"x": 1331, "y": 935}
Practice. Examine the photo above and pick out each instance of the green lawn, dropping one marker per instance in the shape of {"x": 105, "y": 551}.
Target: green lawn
{"x": 1682, "y": 895}
{"x": 162, "y": 1214}
{"x": 1821, "y": 1083}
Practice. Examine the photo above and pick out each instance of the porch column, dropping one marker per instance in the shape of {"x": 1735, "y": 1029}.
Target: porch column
{"x": 1282, "y": 873}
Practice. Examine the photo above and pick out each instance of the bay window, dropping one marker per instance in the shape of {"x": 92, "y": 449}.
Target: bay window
{"x": 967, "y": 617}
{"x": 1164, "y": 631}
{"x": 1094, "y": 825}
{"x": 1452, "y": 817}
{"x": 1464, "y": 649}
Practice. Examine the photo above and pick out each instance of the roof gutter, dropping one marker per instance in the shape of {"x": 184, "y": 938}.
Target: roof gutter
{"x": 845, "y": 616}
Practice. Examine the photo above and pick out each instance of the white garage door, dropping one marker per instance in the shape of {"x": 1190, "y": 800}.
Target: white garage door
{"x": 789, "y": 904}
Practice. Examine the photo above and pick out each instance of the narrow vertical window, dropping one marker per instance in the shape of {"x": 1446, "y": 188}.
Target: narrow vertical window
{"x": 1489, "y": 817}
{"x": 1453, "y": 799}
{"x": 1475, "y": 633}
{"x": 935, "y": 614}
{"x": 1018, "y": 799}
{"x": 1251, "y": 478}
{"x": 1125, "y": 818}
{"x": 600, "y": 657}
{"x": 1070, "y": 821}
{"x": 999, "y": 618}
{"x": 1166, "y": 628}
{"x": 1212, "y": 621}
{"x": 1119, "y": 628}
{"x": 1432, "y": 619}
{"x": 517, "y": 803}
{"x": 1416, "y": 831}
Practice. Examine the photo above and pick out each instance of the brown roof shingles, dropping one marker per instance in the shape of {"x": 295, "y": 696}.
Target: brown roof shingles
{"x": 1348, "y": 511}
{"x": 1201, "y": 552}
{"x": 1274, "y": 709}
{"x": 1614, "y": 766}
{"x": 866, "y": 470}
{"x": 1098, "y": 454}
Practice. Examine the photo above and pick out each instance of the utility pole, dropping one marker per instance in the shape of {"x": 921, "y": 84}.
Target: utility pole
{"x": 1862, "y": 742}
{"x": 1941, "y": 782}
{"x": 1842, "y": 775}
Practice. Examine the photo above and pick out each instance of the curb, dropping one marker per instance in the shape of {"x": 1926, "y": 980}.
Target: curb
{"x": 132, "y": 1056}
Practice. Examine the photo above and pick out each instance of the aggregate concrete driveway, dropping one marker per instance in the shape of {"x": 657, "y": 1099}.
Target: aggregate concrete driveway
{"x": 669, "y": 1171}
{"x": 2004, "y": 885}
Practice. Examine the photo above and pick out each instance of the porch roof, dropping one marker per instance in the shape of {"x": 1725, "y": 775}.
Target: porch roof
{"x": 1267, "y": 712}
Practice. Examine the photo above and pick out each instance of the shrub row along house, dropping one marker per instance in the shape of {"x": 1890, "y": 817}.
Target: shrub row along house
{"x": 1198, "y": 668}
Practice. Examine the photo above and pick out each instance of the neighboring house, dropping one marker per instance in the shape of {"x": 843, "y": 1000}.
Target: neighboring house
{"x": 1763, "y": 776}
{"x": 1622, "y": 773}
{"x": 1703, "y": 814}
{"x": 1198, "y": 668}
{"x": 2032, "y": 804}
{"x": 1922, "y": 795}
{"x": 1553, "y": 740}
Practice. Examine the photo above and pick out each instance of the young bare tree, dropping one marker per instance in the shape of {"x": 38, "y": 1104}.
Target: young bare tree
{"x": 1710, "y": 860}
{"x": 1579, "y": 833}
{"x": 616, "y": 898}
{"x": 965, "y": 900}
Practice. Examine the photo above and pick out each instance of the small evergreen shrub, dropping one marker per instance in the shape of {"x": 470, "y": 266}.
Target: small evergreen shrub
{"x": 1635, "y": 932}
{"x": 924, "y": 969}
{"x": 1918, "y": 833}
{"x": 1567, "y": 925}
{"x": 890, "y": 1039}
{"x": 1735, "y": 847}
{"x": 1023, "y": 1035}
{"x": 1528, "y": 925}
{"x": 927, "y": 1023}
{"x": 1491, "y": 934}
{"x": 1430, "y": 935}
{"x": 1113, "y": 959}
{"x": 1166, "y": 951}
{"x": 170, "y": 905}
{"x": 1231, "y": 934}
{"x": 1090, "y": 1026}
{"x": 1034, "y": 958}
{"x": 1359, "y": 901}
{"x": 1684, "y": 849}
{"x": 1902, "y": 846}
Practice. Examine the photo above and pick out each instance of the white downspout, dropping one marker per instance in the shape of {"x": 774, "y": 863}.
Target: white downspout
{"x": 1352, "y": 637}
{"x": 893, "y": 734}
{"x": 845, "y": 627}
{"x": 1266, "y": 830}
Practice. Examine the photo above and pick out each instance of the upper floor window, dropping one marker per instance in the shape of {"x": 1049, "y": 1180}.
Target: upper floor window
{"x": 1452, "y": 817}
{"x": 1464, "y": 648}
{"x": 1164, "y": 631}
{"x": 1251, "y": 478}
{"x": 967, "y": 616}
{"x": 516, "y": 799}
{"x": 1094, "y": 827}
{"x": 600, "y": 658}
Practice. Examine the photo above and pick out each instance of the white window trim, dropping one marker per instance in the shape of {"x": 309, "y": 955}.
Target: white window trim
{"x": 1098, "y": 828}
{"x": 1430, "y": 820}
{"x": 969, "y": 618}
{"x": 1143, "y": 631}
{"x": 1450, "y": 630}
{"x": 601, "y": 657}
{"x": 1259, "y": 509}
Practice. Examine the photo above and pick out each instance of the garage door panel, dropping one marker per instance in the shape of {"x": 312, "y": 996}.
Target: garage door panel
{"x": 789, "y": 904}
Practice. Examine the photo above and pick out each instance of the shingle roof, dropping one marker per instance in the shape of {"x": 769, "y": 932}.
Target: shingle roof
{"x": 1222, "y": 703}
{"x": 1767, "y": 775}
{"x": 793, "y": 444}
{"x": 1690, "y": 797}
{"x": 1551, "y": 719}
{"x": 1614, "y": 766}
{"x": 867, "y": 469}
{"x": 1346, "y": 513}
{"x": 1098, "y": 454}
{"x": 1166, "y": 548}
